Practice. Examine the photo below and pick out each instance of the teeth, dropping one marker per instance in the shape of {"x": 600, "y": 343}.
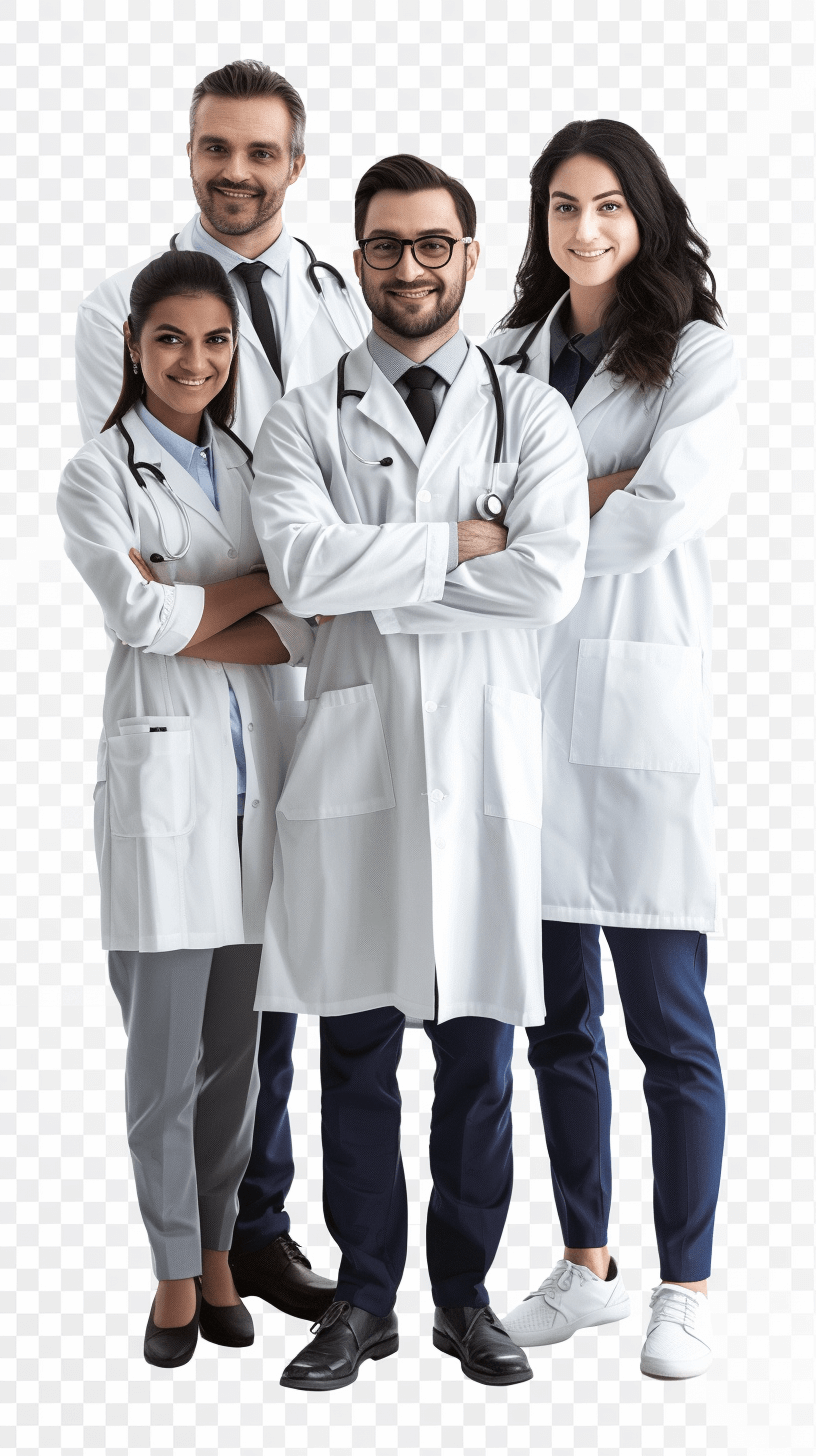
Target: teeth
{"x": 597, "y": 254}
{"x": 191, "y": 383}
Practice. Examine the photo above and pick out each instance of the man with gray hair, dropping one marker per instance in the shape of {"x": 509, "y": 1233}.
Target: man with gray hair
{"x": 297, "y": 317}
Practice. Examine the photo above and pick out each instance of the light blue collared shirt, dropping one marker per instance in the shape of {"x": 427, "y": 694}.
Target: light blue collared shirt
{"x": 446, "y": 361}
{"x": 276, "y": 259}
{"x": 198, "y": 461}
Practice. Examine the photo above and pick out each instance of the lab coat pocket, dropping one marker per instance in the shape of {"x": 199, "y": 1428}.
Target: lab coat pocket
{"x": 340, "y": 765}
{"x": 512, "y": 756}
{"x": 637, "y": 706}
{"x": 150, "y": 778}
{"x": 479, "y": 477}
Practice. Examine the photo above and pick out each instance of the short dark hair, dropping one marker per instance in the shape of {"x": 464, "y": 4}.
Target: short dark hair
{"x": 404, "y": 173}
{"x": 667, "y": 284}
{"x": 168, "y": 276}
{"x": 240, "y": 79}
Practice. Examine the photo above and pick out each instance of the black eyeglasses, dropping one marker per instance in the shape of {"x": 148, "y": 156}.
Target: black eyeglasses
{"x": 431, "y": 252}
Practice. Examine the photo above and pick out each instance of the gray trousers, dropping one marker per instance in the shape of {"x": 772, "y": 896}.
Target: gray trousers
{"x": 191, "y": 1082}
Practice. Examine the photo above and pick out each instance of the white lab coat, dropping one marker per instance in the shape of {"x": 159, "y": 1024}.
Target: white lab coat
{"x": 628, "y": 829}
{"x": 317, "y": 331}
{"x": 409, "y": 824}
{"x": 165, "y": 802}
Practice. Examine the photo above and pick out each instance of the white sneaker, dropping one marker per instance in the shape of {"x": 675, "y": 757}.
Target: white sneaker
{"x": 571, "y": 1298}
{"x": 678, "y": 1340}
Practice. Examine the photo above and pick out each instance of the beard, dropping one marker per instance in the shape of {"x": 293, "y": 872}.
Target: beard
{"x": 386, "y": 309}
{"x": 240, "y": 217}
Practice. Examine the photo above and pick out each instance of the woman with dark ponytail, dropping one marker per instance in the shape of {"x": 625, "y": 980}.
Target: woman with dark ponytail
{"x": 157, "y": 521}
{"x": 616, "y": 309}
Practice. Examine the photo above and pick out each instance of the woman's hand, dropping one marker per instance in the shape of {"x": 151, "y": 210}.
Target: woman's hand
{"x": 601, "y": 487}
{"x": 141, "y": 565}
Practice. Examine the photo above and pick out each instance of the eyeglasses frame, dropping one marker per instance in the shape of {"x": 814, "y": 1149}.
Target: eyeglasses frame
{"x": 410, "y": 243}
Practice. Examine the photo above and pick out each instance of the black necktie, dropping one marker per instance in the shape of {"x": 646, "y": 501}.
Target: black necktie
{"x": 420, "y": 401}
{"x": 566, "y": 371}
{"x": 252, "y": 274}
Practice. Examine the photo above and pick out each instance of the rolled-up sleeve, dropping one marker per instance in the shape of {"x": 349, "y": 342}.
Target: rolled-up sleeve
{"x": 99, "y": 534}
{"x": 295, "y": 633}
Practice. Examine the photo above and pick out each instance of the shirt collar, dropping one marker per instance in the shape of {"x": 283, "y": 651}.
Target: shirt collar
{"x": 180, "y": 449}
{"x": 590, "y": 346}
{"x": 275, "y": 257}
{"x": 447, "y": 361}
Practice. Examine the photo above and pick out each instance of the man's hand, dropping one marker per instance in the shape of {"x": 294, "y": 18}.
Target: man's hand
{"x": 480, "y": 538}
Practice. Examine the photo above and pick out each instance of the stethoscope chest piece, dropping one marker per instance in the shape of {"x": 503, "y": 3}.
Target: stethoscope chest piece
{"x": 490, "y": 506}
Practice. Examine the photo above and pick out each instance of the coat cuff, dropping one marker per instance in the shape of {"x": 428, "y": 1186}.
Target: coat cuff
{"x": 294, "y": 632}
{"x": 453, "y": 546}
{"x": 436, "y": 561}
{"x": 186, "y": 611}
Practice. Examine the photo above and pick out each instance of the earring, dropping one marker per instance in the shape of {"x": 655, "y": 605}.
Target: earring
{"x": 135, "y": 364}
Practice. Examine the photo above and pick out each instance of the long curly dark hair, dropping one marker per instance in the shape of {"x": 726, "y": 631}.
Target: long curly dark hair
{"x": 665, "y": 286}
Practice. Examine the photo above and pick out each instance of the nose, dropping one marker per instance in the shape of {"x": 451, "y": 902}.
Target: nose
{"x": 193, "y": 359}
{"x": 408, "y": 270}
{"x": 586, "y": 227}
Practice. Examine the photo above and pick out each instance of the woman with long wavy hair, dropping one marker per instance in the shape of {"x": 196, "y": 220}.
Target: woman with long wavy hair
{"x": 615, "y": 307}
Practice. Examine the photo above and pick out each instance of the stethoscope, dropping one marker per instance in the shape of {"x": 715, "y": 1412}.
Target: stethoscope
{"x": 311, "y": 273}
{"x": 489, "y": 504}
{"x": 522, "y": 358}
{"x": 135, "y": 466}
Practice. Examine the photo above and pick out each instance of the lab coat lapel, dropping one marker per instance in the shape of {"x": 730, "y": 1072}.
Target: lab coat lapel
{"x": 464, "y": 401}
{"x": 302, "y": 304}
{"x": 183, "y": 485}
{"x": 229, "y": 491}
{"x": 382, "y": 404}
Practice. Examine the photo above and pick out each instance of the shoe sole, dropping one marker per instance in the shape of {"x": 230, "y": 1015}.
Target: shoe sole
{"x": 236, "y": 1344}
{"x": 250, "y": 1291}
{"x": 448, "y": 1348}
{"x": 170, "y": 1364}
{"x": 566, "y": 1332}
{"x": 688, "y": 1373}
{"x": 381, "y": 1352}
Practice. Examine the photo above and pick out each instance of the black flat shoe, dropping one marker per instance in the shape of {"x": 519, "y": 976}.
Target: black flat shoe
{"x": 226, "y": 1324}
{"x": 345, "y": 1337}
{"x": 170, "y": 1348}
{"x": 282, "y": 1275}
{"x": 481, "y": 1344}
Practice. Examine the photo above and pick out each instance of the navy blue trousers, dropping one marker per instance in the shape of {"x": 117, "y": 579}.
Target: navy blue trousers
{"x": 661, "y": 977}
{"x": 471, "y": 1156}
{"x": 268, "y": 1178}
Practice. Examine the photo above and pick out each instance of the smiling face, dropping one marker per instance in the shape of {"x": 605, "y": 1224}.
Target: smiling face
{"x": 184, "y": 352}
{"x": 593, "y": 232}
{"x": 411, "y": 301}
{"x": 241, "y": 165}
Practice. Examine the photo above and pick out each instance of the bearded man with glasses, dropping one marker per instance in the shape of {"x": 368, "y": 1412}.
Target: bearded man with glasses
{"x": 406, "y": 879}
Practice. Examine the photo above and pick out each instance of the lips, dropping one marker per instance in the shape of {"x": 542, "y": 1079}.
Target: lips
{"x": 190, "y": 383}
{"x": 234, "y": 195}
{"x": 589, "y": 256}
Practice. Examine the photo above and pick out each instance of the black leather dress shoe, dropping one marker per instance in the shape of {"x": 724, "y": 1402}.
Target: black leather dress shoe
{"x": 345, "y": 1337}
{"x": 226, "y": 1324}
{"x": 482, "y": 1346}
{"x": 282, "y": 1275}
{"x": 170, "y": 1348}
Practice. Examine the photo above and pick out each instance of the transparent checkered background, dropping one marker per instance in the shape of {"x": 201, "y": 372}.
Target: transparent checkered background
{"x": 94, "y": 178}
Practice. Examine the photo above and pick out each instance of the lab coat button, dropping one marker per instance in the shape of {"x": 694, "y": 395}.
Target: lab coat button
{"x": 436, "y": 796}
{"x": 430, "y": 707}
{"x": 255, "y": 803}
{"x": 424, "y": 496}
{"x": 232, "y": 553}
{"x": 251, "y": 727}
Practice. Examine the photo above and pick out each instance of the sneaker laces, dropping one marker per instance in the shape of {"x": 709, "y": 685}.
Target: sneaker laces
{"x": 336, "y": 1311}
{"x": 561, "y": 1278}
{"x": 674, "y": 1305}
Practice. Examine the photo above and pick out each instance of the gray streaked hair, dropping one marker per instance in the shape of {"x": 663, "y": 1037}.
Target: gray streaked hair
{"x": 241, "y": 79}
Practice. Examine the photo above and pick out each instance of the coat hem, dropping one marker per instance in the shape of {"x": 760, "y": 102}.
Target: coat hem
{"x": 706, "y": 924}
{"x": 267, "y": 1001}
{"x": 209, "y": 941}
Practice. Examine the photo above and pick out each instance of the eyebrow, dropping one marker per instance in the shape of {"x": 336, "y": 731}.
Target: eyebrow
{"x": 440, "y": 232}
{"x": 174, "y": 329}
{"x": 223, "y": 142}
{"x": 614, "y": 192}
